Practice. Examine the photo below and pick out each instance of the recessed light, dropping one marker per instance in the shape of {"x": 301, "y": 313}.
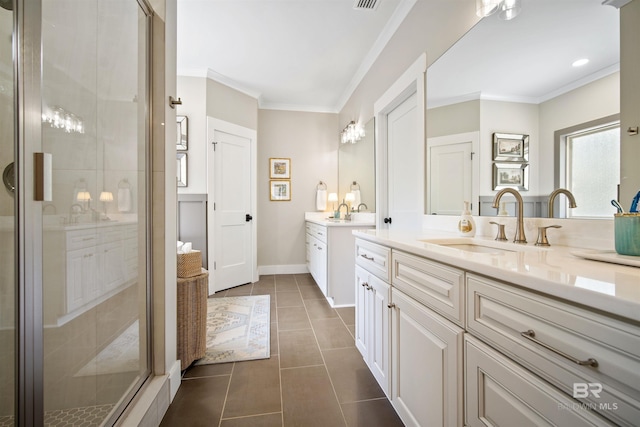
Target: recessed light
{"x": 580, "y": 62}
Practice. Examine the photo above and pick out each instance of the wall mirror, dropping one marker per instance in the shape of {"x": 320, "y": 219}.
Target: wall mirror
{"x": 182, "y": 137}
{"x": 181, "y": 169}
{"x": 356, "y": 167}
{"x": 501, "y": 69}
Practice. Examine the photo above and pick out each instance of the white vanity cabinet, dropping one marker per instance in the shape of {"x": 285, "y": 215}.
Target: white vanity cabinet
{"x": 330, "y": 259}
{"x": 426, "y": 348}
{"x": 92, "y": 264}
{"x": 587, "y": 355}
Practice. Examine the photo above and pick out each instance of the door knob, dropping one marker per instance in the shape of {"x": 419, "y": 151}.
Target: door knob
{"x": 387, "y": 220}
{"x": 248, "y": 218}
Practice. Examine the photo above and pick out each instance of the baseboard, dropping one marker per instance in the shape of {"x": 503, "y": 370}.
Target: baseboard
{"x": 175, "y": 378}
{"x": 265, "y": 270}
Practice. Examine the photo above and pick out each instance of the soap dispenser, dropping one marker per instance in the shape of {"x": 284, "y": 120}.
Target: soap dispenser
{"x": 466, "y": 225}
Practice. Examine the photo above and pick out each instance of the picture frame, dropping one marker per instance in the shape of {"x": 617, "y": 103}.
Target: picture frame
{"x": 511, "y": 175}
{"x": 280, "y": 190}
{"x": 182, "y": 136}
{"x": 181, "y": 169}
{"x": 279, "y": 168}
{"x": 510, "y": 147}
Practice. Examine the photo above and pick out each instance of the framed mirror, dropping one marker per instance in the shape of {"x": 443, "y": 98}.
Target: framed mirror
{"x": 182, "y": 136}
{"x": 181, "y": 169}
{"x": 356, "y": 169}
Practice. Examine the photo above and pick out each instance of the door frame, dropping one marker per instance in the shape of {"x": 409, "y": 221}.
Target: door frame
{"x": 458, "y": 138}
{"x": 413, "y": 80}
{"x": 213, "y": 125}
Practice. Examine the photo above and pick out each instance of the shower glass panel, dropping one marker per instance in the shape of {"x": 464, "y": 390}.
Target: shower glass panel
{"x": 7, "y": 224}
{"x": 95, "y": 125}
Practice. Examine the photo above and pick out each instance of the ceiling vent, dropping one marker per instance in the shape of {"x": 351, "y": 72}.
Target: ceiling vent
{"x": 366, "y": 4}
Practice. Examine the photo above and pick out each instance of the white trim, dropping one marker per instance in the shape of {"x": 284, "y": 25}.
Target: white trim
{"x": 294, "y": 107}
{"x": 174, "y": 379}
{"x": 265, "y": 270}
{"x": 413, "y": 80}
{"x": 214, "y": 124}
{"x": 401, "y": 12}
{"x": 616, "y": 3}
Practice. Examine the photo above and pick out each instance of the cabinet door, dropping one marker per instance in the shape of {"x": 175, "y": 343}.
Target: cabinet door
{"x": 81, "y": 285}
{"x": 426, "y": 357}
{"x": 111, "y": 266}
{"x": 378, "y": 322}
{"x": 362, "y": 308}
{"x": 500, "y": 392}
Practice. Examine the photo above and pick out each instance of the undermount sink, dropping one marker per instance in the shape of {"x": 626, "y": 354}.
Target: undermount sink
{"x": 468, "y": 244}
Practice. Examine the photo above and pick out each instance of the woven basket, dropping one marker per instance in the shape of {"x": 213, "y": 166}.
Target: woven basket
{"x": 189, "y": 264}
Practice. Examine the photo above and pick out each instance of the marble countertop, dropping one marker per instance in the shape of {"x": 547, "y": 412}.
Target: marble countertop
{"x": 555, "y": 271}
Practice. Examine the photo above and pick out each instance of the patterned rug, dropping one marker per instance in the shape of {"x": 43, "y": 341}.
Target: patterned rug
{"x": 237, "y": 329}
{"x": 121, "y": 355}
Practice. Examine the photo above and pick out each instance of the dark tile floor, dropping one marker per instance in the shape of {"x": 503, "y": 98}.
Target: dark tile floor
{"x": 315, "y": 376}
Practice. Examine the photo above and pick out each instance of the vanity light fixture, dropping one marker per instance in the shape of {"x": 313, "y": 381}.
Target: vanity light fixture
{"x": 84, "y": 196}
{"x": 349, "y": 198}
{"x": 333, "y": 197}
{"x": 352, "y": 133}
{"x": 507, "y": 9}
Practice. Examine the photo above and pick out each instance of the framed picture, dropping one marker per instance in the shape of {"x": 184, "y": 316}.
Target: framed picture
{"x": 279, "y": 168}
{"x": 510, "y": 175}
{"x": 510, "y": 147}
{"x": 181, "y": 169}
{"x": 182, "y": 137}
{"x": 280, "y": 190}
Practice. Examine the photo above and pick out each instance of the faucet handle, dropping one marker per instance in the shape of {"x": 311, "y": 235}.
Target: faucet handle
{"x": 542, "y": 235}
{"x": 501, "y": 236}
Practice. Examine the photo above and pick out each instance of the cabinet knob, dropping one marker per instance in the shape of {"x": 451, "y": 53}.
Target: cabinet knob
{"x": 391, "y": 305}
{"x": 369, "y": 287}
{"x": 387, "y": 220}
{"x": 364, "y": 284}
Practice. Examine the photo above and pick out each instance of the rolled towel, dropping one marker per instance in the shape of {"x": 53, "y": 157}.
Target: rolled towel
{"x": 124, "y": 199}
{"x": 357, "y": 199}
{"x": 321, "y": 200}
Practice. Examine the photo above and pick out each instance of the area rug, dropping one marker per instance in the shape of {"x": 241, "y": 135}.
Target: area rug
{"x": 121, "y": 355}
{"x": 237, "y": 329}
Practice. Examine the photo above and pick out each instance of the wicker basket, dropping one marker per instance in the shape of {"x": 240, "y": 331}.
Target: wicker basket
{"x": 189, "y": 264}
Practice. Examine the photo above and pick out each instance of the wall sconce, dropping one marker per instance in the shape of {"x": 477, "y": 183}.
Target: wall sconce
{"x": 507, "y": 9}
{"x": 352, "y": 133}
{"x": 106, "y": 197}
{"x": 59, "y": 118}
{"x": 85, "y": 196}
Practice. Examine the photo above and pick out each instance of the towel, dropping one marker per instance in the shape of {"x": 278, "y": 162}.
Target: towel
{"x": 124, "y": 200}
{"x": 356, "y": 198}
{"x": 321, "y": 200}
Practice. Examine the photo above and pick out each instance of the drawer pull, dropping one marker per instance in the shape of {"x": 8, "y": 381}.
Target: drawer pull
{"x": 367, "y": 257}
{"x": 530, "y": 335}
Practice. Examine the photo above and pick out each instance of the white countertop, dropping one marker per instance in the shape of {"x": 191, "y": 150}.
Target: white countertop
{"x": 611, "y": 288}
{"x": 358, "y": 219}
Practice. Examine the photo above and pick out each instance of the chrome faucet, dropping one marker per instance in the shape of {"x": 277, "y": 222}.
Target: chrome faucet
{"x": 347, "y": 215}
{"x": 552, "y": 197}
{"x": 519, "y": 237}
{"x": 362, "y": 204}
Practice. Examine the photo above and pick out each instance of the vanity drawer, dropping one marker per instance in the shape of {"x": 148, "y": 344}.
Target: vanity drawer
{"x": 435, "y": 285}
{"x": 562, "y": 335}
{"x": 374, "y": 258}
{"x": 80, "y": 239}
{"x": 317, "y": 231}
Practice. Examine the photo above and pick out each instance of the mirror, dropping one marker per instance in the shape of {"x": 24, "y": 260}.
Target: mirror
{"x": 356, "y": 168}
{"x": 182, "y": 137}
{"x": 517, "y": 77}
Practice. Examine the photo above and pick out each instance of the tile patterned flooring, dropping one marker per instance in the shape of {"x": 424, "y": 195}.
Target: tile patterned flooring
{"x": 315, "y": 376}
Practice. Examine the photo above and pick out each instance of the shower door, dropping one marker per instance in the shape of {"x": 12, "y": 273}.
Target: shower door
{"x": 81, "y": 207}
{"x": 7, "y": 221}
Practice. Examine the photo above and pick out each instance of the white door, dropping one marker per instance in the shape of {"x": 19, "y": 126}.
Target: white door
{"x": 405, "y": 167}
{"x": 233, "y": 258}
{"x": 451, "y": 165}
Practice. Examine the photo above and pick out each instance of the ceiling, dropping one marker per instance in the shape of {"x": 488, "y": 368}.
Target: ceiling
{"x": 309, "y": 55}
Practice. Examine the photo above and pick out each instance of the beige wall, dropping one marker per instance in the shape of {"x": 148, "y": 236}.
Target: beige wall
{"x": 452, "y": 119}
{"x": 311, "y": 141}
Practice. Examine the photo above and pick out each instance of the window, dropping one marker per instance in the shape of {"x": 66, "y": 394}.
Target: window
{"x": 592, "y": 168}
